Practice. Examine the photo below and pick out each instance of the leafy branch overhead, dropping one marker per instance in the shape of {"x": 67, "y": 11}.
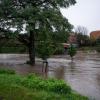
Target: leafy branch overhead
{"x": 18, "y": 12}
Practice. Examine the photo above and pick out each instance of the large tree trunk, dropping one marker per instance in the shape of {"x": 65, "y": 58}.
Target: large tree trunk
{"x": 31, "y": 48}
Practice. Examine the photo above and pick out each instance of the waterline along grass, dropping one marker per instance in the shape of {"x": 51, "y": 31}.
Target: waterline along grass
{"x": 32, "y": 87}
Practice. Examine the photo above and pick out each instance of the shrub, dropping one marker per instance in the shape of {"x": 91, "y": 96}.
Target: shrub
{"x": 57, "y": 86}
{"x": 7, "y": 71}
{"x": 59, "y": 50}
{"x": 98, "y": 48}
{"x": 72, "y": 51}
{"x": 98, "y": 45}
{"x": 13, "y": 49}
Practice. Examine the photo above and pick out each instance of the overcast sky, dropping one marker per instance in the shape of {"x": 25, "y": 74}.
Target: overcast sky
{"x": 84, "y": 13}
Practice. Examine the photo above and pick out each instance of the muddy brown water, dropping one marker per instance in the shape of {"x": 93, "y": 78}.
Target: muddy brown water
{"x": 83, "y": 74}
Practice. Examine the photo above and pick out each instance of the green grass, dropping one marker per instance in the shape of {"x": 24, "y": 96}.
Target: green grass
{"x": 32, "y": 87}
{"x": 7, "y": 71}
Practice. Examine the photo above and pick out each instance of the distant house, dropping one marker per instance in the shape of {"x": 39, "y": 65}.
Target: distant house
{"x": 72, "y": 39}
{"x": 94, "y": 35}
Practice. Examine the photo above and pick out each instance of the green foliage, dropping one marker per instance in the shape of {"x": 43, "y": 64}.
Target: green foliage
{"x": 57, "y": 86}
{"x": 59, "y": 49}
{"x": 11, "y": 45}
{"x": 82, "y": 36}
{"x": 72, "y": 51}
{"x": 7, "y": 71}
{"x": 98, "y": 41}
{"x": 98, "y": 45}
{"x": 32, "y": 87}
{"x": 41, "y": 13}
{"x": 83, "y": 40}
{"x": 37, "y": 15}
{"x": 13, "y": 49}
{"x": 44, "y": 49}
{"x": 97, "y": 48}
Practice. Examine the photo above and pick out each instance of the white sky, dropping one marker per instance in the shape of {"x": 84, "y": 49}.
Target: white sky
{"x": 84, "y": 13}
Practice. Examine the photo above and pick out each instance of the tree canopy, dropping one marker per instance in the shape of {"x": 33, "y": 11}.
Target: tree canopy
{"x": 41, "y": 13}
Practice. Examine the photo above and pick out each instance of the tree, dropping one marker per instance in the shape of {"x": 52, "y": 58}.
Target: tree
{"x": 72, "y": 51}
{"x": 4, "y": 37}
{"x": 44, "y": 50}
{"x": 98, "y": 44}
{"x": 35, "y": 15}
{"x": 81, "y": 30}
{"x": 82, "y": 37}
{"x": 98, "y": 41}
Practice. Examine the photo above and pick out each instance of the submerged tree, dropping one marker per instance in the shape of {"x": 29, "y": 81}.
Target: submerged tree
{"x": 34, "y": 15}
{"x": 44, "y": 50}
{"x": 72, "y": 51}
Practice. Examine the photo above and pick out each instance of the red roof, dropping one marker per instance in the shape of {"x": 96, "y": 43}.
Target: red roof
{"x": 95, "y": 34}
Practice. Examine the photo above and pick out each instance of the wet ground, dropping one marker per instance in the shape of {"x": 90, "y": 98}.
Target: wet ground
{"x": 83, "y": 74}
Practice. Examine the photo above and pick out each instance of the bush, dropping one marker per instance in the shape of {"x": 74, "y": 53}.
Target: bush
{"x": 98, "y": 48}
{"x": 12, "y": 49}
{"x": 98, "y": 45}
{"x": 44, "y": 49}
{"x": 7, "y": 71}
{"x": 59, "y": 50}
{"x": 57, "y": 86}
{"x": 72, "y": 51}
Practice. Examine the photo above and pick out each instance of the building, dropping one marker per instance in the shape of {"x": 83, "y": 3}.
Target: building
{"x": 72, "y": 39}
{"x": 94, "y": 35}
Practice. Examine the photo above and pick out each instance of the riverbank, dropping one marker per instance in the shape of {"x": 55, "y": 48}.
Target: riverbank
{"x": 32, "y": 87}
{"x": 82, "y": 74}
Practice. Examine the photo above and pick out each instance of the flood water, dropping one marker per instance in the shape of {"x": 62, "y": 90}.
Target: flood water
{"x": 83, "y": 74}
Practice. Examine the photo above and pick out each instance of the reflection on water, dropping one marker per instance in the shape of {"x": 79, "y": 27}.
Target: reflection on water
{"x": 83, "y": 74}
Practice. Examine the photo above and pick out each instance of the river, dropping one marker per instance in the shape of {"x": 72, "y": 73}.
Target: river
{"x": 83, "y": 74}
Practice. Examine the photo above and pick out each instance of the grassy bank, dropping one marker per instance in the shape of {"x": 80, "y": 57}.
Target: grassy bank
{"x": 32, "y": 87}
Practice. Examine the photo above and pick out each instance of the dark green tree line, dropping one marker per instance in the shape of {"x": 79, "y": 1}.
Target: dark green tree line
{"x": 82, "y": 36}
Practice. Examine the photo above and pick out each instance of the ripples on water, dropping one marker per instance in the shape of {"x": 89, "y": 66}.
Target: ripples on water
{"x": 83, "y": 74}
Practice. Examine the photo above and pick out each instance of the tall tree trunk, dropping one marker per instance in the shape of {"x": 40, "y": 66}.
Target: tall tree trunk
{"x": 32, "y": 48}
